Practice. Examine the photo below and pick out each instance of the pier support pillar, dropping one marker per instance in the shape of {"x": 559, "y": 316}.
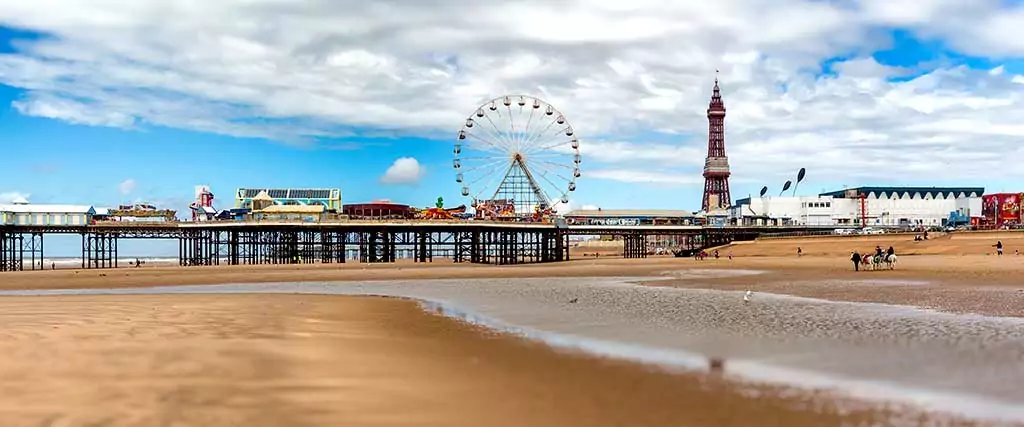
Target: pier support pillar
{"x": 11, "y": 255}
{"x": 99, "y": 250}
{"x": 424, "y": 248}
{"x": 634, "y": 246}
{"x": 377, "y": 246}
{"x": 464, "y": 247}
{"x": 199, "y": 247}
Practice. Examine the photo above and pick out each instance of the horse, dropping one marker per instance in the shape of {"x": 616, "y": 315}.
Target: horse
{"x": 877, "y": 262}
{"x": 865, "y": 261}
{"x": 890, "y": 261}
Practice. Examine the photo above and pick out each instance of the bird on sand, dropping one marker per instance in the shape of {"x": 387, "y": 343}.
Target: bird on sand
{"x": 574, "y": 301}
{"x": 746, "y": 296}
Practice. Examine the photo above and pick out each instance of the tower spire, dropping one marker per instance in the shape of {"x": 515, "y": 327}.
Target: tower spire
{"x": 716, "y": 166}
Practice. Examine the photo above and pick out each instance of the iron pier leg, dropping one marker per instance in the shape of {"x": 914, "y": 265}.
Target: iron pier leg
{"x": 421, "y": 246}
{"x": 233, "y": 247}
{"x": 476, "y": 243}
{"x": 10, "y": 252}
{"x": 342, "y": 254}
{"x": 563, "y": 246}
{"x": 3, "y": 251}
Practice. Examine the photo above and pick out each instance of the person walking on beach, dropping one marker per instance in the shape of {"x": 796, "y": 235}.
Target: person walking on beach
{"x": 799, "y": 252}
{"x": 999, "y": 248}
{"x": 856, "y": 261}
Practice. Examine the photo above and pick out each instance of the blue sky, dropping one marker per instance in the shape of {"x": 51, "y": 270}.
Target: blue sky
{"x": 859, "y": 95}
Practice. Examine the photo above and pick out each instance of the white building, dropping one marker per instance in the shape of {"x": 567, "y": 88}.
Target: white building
{"x": 23, "y": 213}
{"x": 874, "y": 206}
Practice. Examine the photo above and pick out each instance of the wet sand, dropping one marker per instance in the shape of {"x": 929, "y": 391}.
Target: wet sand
{"x": 961, "y": 284}
{"x": 306, "y": 360}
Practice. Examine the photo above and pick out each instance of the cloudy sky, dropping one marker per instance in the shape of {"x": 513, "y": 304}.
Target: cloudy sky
{"x": 108, "y": 101}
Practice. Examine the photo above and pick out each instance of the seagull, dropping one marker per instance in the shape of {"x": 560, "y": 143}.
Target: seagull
{"x": 746, "y": 296}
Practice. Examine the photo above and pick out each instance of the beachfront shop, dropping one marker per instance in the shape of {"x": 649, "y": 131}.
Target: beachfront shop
{"x": 46, "y": 215}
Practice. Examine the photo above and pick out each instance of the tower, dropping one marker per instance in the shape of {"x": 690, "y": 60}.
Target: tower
{"x": 716, "y": 166}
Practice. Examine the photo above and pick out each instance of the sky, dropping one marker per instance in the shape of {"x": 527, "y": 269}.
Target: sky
{"x": 107, "y": 101}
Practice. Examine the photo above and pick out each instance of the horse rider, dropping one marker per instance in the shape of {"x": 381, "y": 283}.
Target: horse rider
{"x": 878, "y": 251}
{"x": 856, "y": 261}
{"x": 890, "y": 252}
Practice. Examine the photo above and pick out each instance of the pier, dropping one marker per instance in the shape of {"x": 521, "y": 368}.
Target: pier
{"x": 252, "y": 243}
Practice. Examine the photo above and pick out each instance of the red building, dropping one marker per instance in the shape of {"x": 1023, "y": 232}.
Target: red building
{"x": 1002, "y": 209}
{"x": 378, "y": 209}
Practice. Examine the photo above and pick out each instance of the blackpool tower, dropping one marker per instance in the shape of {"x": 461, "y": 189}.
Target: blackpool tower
{"x": 716, "y": 166}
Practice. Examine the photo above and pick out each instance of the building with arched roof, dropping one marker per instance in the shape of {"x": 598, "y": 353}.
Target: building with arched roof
{"x": 864, "y": 206}
{"x": 330, "y": 198}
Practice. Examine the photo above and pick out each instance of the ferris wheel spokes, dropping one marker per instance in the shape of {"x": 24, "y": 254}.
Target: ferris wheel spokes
{"x": 485, "y": 136}
{"x": 573, "y": 144}
{"x": 544, "y": 175}
{"x": 521, "y": 141}
{"x": 482, "y": 145}
{"x": 502, "y": 135}
{"x": 548, "y": 169}
{"x": 522, "y": 148}
{"x": 554, "y": 133}
{"x": 497, "y": 175}
{"x": 538, "y": 136}
{"x": 496, "y": 138}
{"x": 550, "y": 164}
{"x": 487, "y": 166}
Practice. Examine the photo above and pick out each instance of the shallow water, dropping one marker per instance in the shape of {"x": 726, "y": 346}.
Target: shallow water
{"x": 967, "y": 364}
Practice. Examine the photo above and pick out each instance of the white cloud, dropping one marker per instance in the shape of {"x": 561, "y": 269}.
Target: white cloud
{"x": 11, "y": 196}
{"x": 571, "y": 205}
{"x": 53, "y": 107}
{"x": 649, "y": 177}
{"x": 126, "y": 187}
{"x": 405, "y": 170}
{"x": 311, "y": 68}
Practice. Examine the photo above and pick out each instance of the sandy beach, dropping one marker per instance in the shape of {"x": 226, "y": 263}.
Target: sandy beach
{"x": 274, "y": 360}
{"x": 247, "y": 359}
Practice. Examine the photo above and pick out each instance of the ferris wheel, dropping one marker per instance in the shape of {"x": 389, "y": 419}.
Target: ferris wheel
{"x": 516, "y": 155}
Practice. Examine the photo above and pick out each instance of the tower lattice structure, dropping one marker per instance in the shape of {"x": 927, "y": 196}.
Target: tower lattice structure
{"x": 716, "y": 166}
